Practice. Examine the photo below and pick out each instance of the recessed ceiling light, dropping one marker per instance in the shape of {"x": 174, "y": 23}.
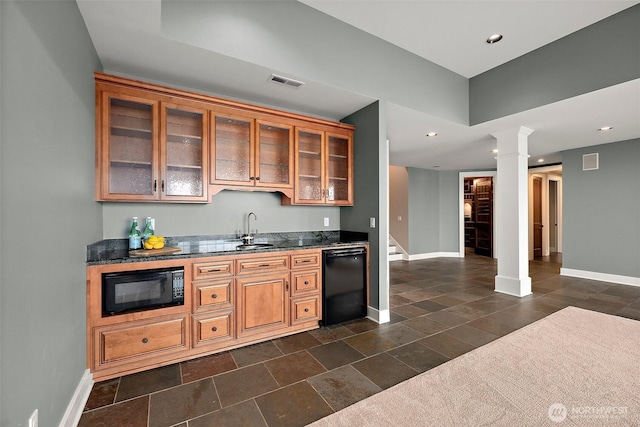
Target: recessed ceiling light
{"x": 432, "y": 134}
{"x": 540, "y": 160}
{"x": 494, "y": 151}
{"x": 494, "y": 38}
{"x": 605, "y": 128}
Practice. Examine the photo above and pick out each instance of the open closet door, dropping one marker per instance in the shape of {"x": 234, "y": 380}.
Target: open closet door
{"x": 483, "y": 192}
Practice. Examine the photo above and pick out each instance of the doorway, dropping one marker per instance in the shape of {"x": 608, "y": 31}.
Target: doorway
{"x": 545, "y": 212}
{"x": 478, "y": 215}
{"x": 537, "y": 217}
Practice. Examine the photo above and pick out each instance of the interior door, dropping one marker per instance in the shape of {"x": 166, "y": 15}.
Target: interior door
{"x": 483, "y": 206}
{"x": 537, "y": 217}
{"x": 553, "y": 216}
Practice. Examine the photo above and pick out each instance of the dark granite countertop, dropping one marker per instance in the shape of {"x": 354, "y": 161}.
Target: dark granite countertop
{"x": 114, "y": 251}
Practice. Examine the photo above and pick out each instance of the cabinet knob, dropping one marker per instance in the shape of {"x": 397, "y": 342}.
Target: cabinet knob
{"x": 306, "y": 310}
{"x": 214, "y": 296}
{"x": 214, "y": 329}
{"x": 251, "y": 178}
{"x": 306, "y": 282}
{"x": 145, "y": 340}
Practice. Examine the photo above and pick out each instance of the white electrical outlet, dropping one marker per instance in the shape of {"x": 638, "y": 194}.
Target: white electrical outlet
{"x": 326, "y": 222}
{"x": 372, "y": 222}
{"x": 33, "y": 419}
{"x": 399, "y": 218}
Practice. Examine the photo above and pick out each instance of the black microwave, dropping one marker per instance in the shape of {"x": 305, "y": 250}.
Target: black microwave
{"x": 142, "y": 290}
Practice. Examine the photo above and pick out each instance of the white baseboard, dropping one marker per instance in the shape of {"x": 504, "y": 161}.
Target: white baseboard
{"x": 603, "y": 277}
{"x": 429, "y": 255}
{"x": 78, "y": 401}
{"x": 378, "y": 316}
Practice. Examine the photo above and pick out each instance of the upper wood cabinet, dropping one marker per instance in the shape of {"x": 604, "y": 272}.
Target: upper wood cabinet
{"x": 155, "y": 143}
{"x": 149, "y": 150}
{"x": 250, "y": 152}
{"x": 324, "y": 167}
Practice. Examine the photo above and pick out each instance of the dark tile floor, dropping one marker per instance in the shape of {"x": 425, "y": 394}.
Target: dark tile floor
{"x": 440, "y": 309}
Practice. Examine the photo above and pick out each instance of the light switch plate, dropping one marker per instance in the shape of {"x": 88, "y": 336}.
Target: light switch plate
{"x": 372, "y": 222}
{"x": 326, "y": 222}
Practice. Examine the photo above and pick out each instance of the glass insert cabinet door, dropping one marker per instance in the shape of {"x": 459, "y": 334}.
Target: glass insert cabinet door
{"x": 184, "y": 148}
{"x": 233, "y": 150}
{"x": 339, "y": 188}
{"x": 274, "y": 154}
{"x": 131, "y": 153}
{"x": 309, "y": 165}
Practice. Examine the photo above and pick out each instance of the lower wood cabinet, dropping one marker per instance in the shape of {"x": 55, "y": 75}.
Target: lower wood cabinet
{"x": 229, "y": 301}
{"x": 262, "y": 304}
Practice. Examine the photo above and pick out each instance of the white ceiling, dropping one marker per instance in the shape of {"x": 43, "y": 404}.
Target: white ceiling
{"x": 127, "y": 37}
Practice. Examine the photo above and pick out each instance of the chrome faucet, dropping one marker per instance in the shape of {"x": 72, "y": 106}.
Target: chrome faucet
{"x": 247, "y": 238}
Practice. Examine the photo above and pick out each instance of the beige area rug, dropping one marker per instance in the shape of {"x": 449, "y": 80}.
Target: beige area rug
{"x": 574, "y": 367}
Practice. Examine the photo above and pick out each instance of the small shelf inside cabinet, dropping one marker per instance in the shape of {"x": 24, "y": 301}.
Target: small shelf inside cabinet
{"x": 184, "y": 139}
{"x": 125, "y": 131}
{"x": 338, "y": 156}
{"x": 115, "y": 162}
{"x": 309, "y": 176}
{"x": 309, "y": 153}
{"x": 338, "y": 178}
{"x": 185, "y": 166}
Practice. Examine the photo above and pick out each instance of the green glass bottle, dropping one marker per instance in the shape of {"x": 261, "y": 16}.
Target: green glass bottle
{"x": 148, "y": 230}
{"x": 135, "y": 238}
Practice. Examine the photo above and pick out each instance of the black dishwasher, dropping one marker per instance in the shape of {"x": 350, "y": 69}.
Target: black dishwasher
{"x": 343, "y": 285}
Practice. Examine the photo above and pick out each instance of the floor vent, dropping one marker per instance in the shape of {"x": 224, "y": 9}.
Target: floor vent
{"x": 285, "y": 81}
{"x": 590, "y": 162}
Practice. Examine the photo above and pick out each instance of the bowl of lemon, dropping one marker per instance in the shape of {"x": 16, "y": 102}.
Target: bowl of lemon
{"x": 154, "y": 242}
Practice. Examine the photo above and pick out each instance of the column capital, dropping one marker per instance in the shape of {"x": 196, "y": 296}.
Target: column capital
{"x": 521, "y": 131}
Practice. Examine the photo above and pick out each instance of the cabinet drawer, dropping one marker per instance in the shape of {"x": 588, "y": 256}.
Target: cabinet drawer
{"x": 213, "y": 328}
{"x": 212, "y": 269}
{"x": 133, "y": 341}
{"x": 306, "y": 260}
{"x": 262, "y": 265}
{"x": 213, "y": 295}
{"x": 305, "y": 281}
{"x": 305, "y": 309}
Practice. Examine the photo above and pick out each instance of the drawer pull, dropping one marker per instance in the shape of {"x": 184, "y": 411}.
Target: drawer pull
{"x": 303, "y": 261}
{"x": 306, "y": 282}
{"x": 214, "y": 329}
{"x": 145, "y": 340}
{"x": 210, "y": 269}
{"x": 214, "y": 296}
{"x": 265, "y": 265}
{"x": 306, "y": 310}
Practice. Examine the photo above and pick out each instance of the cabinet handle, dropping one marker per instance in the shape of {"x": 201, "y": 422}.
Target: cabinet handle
{"x": 251, "y": 178}
{"x": 209, "y": 269}
{"x": 145, "y": 340}
{"x": 214, "y": 296}
{"x": 163, "y": 185}
{"x": 214, "y": 329}
{"x": 286, "y": 285}
{"x": 155, "y": 185}
{"x": 265, "y": 265}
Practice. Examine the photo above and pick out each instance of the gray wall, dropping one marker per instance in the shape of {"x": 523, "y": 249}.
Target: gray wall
{"x": 548, "y": 74}
{"x": 305, "y": 39}
{"x": 48, "y": 215}
{"x": 433, "y": 211}
{"x": 227, "y": 213}
{"x": 600, "y": 210}
{"x": 370, "y": 189}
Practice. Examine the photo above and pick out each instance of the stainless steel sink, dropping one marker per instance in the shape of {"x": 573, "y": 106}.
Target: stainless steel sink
{"x": 253, "y": 246}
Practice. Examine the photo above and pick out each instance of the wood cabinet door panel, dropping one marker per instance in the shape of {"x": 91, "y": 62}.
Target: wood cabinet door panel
{"x": 213, "y": 295}
{"x": 306, "y": 260}
{"x": 217, "y": 328}
{"x": 262, "y": 304}
{"x": 262, "y": 265}
{"x": 233, "y": 150}
{"x": 212, "y": 269}
{"x": 274, "y": 155}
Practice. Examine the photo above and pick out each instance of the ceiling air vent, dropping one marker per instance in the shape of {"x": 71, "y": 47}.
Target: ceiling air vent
{"x": 590, "y": 162}
{"x": 285, "y": 81}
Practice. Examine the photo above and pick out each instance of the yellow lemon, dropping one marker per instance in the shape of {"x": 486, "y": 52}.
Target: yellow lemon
{"x": 148, "y": 245}
{"x": 159, "y": 245}
{"x": 152, "y": 239}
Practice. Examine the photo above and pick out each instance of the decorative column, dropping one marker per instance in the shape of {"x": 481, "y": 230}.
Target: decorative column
{"x": 512, "y": 212}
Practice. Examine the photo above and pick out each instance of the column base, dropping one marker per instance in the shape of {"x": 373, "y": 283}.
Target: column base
{"x": 513, "y": 286}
